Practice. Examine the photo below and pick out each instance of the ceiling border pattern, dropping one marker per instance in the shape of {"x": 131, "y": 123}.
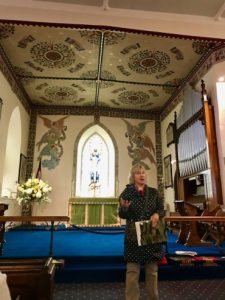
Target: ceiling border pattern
{"x": 97, "y": 111}
{"x": 31, "y": 143}
{"x": 158, "y": 146}
{"x": 215, "y": 57}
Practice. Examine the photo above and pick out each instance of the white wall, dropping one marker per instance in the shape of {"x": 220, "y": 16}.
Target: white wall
{"x": 211, "y": 80}
{"x": 10, "y": 102}
{"x": 12, "y": 154}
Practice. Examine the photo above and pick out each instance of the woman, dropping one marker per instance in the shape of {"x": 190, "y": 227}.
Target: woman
{"x": 140, "y": 202}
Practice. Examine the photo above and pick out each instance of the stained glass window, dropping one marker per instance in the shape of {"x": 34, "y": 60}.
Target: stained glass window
{"x": 95, "y": 164}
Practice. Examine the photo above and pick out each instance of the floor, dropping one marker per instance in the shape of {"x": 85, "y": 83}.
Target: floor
{"x": 206, "y": 289}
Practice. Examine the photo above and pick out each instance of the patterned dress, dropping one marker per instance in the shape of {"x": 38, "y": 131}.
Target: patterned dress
{"x": 140, "y": 209}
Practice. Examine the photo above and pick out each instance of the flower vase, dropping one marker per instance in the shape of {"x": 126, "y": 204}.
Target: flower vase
{"x": 27, "y": 209}
{"x": 32, "y": 209}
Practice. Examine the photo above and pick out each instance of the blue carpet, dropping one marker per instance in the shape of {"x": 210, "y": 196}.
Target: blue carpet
{"x": 66, "y": 243}
{"x": 83, "y": 243}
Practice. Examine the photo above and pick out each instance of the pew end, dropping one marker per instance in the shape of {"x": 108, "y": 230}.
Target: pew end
{"x": 30, "y": 278}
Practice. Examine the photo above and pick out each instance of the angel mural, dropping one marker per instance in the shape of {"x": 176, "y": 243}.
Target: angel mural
{"x": 141, "y": 146}
{"x": 51, "y": 142}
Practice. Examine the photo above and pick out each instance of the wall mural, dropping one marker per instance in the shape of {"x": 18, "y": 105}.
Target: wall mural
{"x": 141, "y": 146}
{"x": 50, "y": 142}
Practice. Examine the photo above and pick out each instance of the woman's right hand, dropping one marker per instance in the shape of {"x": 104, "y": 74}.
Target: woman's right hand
{"x": 124, "y": 204}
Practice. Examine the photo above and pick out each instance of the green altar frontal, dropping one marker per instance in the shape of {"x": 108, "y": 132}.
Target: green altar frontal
{"x": 94, "y": 211}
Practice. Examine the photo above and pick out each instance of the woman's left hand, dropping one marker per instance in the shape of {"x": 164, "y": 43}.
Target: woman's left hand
{"x": 154, "y": 219}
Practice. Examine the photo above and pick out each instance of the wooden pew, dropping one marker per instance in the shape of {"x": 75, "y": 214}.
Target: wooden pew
{"x": 217, "y": 220}
{"x": 29, "y": 279}
{"x": 214, "y": 230}
{"x": 189, "y": 231}
{"x": 187, "y": 210}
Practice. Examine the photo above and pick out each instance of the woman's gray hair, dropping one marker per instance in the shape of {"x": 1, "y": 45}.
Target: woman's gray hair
{"x": 133, "y": 170}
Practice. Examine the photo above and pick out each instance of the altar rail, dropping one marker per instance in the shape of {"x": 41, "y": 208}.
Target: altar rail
{"x": 30, "y": 219}
{"x": 94, "y": 211}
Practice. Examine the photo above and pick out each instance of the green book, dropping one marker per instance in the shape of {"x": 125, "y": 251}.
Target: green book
{"x": 147, "y": 234}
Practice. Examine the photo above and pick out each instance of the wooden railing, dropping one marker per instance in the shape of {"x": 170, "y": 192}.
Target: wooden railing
{"x": 195, "y": 219}
{"x": 30, "y": 219}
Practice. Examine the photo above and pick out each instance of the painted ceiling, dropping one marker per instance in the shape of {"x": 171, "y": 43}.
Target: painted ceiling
{"x": 66, "y": 65}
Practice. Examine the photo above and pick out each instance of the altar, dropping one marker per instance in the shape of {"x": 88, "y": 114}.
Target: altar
{"x": 94, "y": 211}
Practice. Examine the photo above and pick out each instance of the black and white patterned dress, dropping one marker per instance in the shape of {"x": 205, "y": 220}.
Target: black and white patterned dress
{"x": 141, "y": 208}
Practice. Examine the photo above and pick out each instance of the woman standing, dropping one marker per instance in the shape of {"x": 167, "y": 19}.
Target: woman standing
{"x": 139, "y": 202}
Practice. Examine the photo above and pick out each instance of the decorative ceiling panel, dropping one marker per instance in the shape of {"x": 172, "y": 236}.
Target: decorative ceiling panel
{"x": 51, "y": 52}
{"x": 67, "y": 65}
{"x": 133, "y": 96}
{"x": 60, "y": 92}
{"x": 150, "y": 59}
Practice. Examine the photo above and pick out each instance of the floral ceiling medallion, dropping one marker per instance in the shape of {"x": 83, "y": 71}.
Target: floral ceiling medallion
{"x": 149, "y": 62}
{"x": 133, "y": 98}
{"x": 52, "y": 55}
{"x": 61, "y": 93}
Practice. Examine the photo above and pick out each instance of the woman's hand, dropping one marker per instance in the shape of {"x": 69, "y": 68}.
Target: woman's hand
{"x": 124, "y": 204}
{"x": 154, "y": 219}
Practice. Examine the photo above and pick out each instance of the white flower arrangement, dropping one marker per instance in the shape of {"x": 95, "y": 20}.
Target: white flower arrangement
{"x": 34, "y": 190}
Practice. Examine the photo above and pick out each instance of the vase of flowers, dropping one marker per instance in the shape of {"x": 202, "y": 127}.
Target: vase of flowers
{"x": 33, "y": 191}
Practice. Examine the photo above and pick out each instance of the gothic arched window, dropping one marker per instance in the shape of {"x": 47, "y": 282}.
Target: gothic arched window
{"x": 95, "y": 171}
